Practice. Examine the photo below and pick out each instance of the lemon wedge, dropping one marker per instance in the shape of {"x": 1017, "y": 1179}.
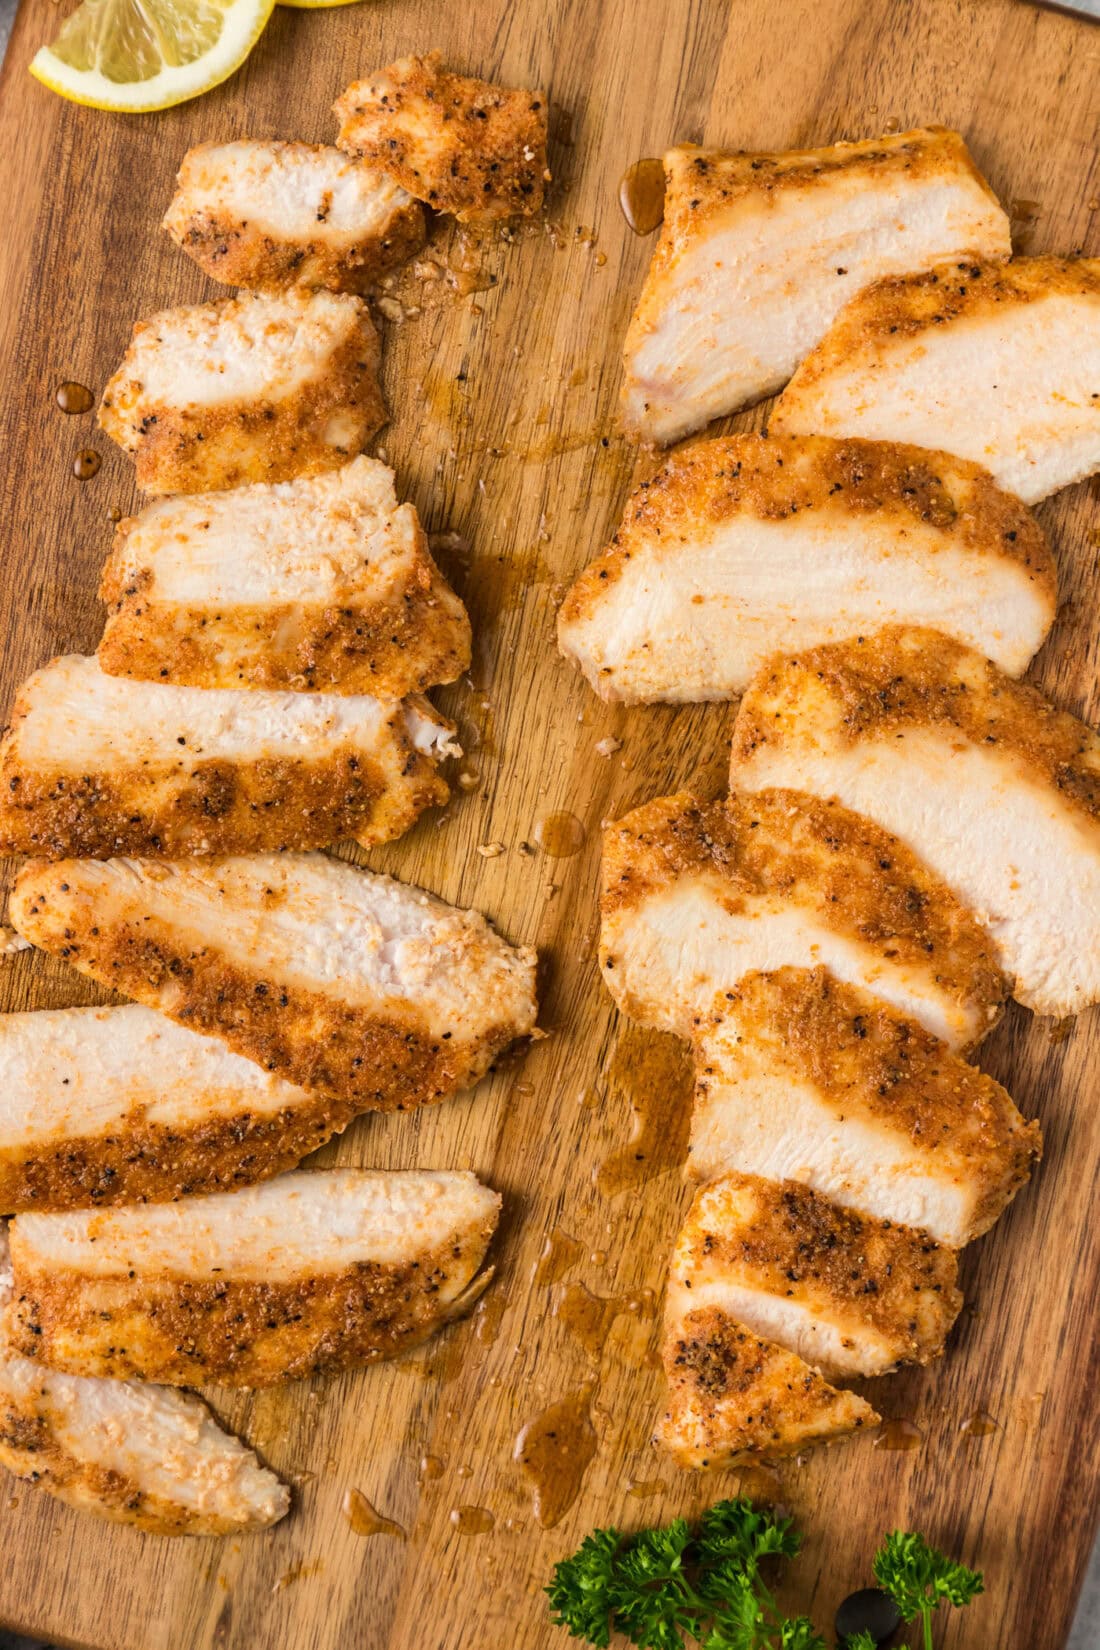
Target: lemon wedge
{"x": 139, "y": 55}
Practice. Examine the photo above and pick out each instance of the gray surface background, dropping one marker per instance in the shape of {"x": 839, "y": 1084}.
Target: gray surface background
{"x": 1086, "y": 1631}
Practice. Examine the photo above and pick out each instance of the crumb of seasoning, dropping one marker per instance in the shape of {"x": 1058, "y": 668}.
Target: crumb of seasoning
{"x": 490, "y": 850}
{"x": 608, "y": 747}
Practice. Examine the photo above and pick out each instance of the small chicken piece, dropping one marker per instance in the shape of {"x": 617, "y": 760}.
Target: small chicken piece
{"x": 118, "y": 1105}
{"x": 350, "y": 984}
{"x": 136, "y": 1454}
{"x": 734, "y": 1398}
{"x": 313, "y": 1271}
{"x": 464, "y": 146}
{"x": 271, "y": 215}
{"x": 256, "y": 388}
{"x": 851, "y": 1295}
{"x": 759, "y": 253}
{"x": 800, "y": 1077}
{"x": 742, "y": 547}
{"x": 95, "y": 765}
{"x": 325, "y": 585}
{"x": 995, "y": 789}
{"x": 999, "y": 363}
{"x": 697, "y": 895}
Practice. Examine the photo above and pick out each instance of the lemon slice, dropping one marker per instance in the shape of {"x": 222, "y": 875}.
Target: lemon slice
{"x": 137, "y": 55}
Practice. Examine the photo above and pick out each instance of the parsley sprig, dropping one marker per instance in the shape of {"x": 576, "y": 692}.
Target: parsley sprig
{"x": 918, "y": 1578}
{"x": 661, "y": 1584}
{"x": 668, "y": 1586}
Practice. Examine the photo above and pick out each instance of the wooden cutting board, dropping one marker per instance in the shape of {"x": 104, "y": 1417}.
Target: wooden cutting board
{"x": 503, "y": 407}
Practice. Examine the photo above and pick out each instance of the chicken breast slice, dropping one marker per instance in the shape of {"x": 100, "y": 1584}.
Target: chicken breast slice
{"x": 324, "y": 584}
{"x": 95, "y": 765}
{"x": 759, "y": 253}
{"x": 999, "y": 363}
{"x": 255, "y": 388}
{"x": 350, "y": 984}
{"x": 465, "y": 146}
{"x": 268, "y": 214}
{"x": 734, "y": 1398}
{"x": 118, "y": 1105}
{"x": 313, "y": 1271}
{"x": 801, "y": 1077}
{"x": 849, "y": 1294}
{"x": 697, "y": 895}
{"x": 136, "y": 1454}
{"x": 742, "y": 547}
{"x": 995, "y": 789}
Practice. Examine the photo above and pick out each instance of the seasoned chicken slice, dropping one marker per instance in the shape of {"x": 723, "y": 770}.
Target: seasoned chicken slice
{"x": 364, "y": 989}
{"x": 137, "y": 1454}
{"x": 464, "y": 146}
{"x": 120, "y": 1105}
{"x": 741, "y": 547}
{"x": 758, "y": 253}
{"x": 697, "y": 895}
{"x": 255, "y": 388}
{"x": 270, "y": 214}
{"x": 734, "y": 1398}
{"x": 95, "y": 765}
{"x": 800, "y": 1077}
{"x": 324, "y": 584}
{"x": 313, "y": 1271}
{"x": 996, "y": 790}
{"x": 999, "y": 363}
{"x": 849, "y": 1294}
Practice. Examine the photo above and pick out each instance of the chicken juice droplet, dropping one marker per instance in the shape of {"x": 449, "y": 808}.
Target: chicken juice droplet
{"x": 560, "y": 835}
{"x": 74, "y": 398}
{"x": 86, "y": 464}
{"x": 899, "y": 1435}
{"x": 642, "y": 195}
{"x": 367, "y": 1520}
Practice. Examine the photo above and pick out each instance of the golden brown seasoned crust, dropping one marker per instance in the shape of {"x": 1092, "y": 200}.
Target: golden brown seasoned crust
{"x": 906, "y": 677}
{"x": 463, "y": 145}
{"x": 413, "y": 637}
{"x": 180, "y": 1331}
{"x": 903, "y": 306}
{"x": 781, "y": 1238}
{"x": 734, "y": 1398}
{"x": 856, "y": 873}
{"x": 180, "y": 807}
{"x": 354, "y": 1054}
{"x": 701, "y": 183}
{"x": 706, "y": 483}
{"x": 883, "y": 1067}
{"x": 139, "y": 1161}
{"x": 209, "y": 448}
{"x": 31, "y": 1448}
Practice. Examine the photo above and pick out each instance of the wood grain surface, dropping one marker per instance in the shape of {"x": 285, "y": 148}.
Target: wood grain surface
{"x": 503, "y": 432}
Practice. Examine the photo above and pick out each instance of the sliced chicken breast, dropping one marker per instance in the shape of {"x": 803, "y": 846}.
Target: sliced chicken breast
{"x": 313, "y": 1271}
{"x": 849, "y": 1294}
{"x": 741, "y": 547}
{"x": 271, "y": 214}
{"x": 95, "y": 765}
{"x": 464, "y": 146}
{"x": 137, "y": 1454}
{"x": 996, "y": 790}
{"x": 118, "y": 1105}
{"x": 801, "y": 1077}
{"x": 361, "y": 988}
{"x": 697, "y": 895}
{"x": 255, "y": 388}
{"x": 759, "y": 252}
{"x": 324, "y": 584}
{"x": 999, "y": 363}
{"x": 734, "y": 1398}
